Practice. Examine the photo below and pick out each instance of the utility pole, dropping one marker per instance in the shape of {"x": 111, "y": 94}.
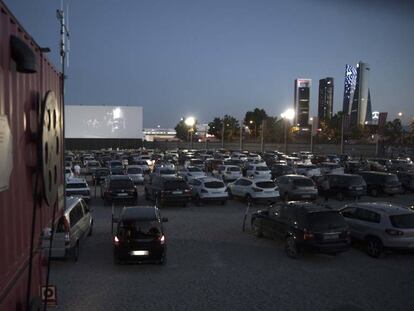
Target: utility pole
{"x": 285, "y": 132}
{"x": 222, "y": 135}
{"x": 241, "y": 136}
{"x": 262, "y": 138}
{"x": 342, "y": 134}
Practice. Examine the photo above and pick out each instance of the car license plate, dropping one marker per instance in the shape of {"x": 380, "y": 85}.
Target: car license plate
{"x": 122, "y": 194}
{"x": 330, "y": 236}
{"x": 139, "y": 253}
{"x": 216, "y": 192}
{"x": 177, "y": 192}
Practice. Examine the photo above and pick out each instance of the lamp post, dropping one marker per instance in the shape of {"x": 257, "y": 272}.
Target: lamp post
{"x": 287, "y": 116}
{"x": 255, "y": 129}
{"x": 311, "y": 134}
{"x": 190, "y": 121}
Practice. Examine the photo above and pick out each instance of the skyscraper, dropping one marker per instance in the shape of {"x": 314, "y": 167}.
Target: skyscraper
{"x": 361, "y": 104}
{"x": 325, "y": 99}
{"x": 301, "y": 103}
{"x": 349, "y": 88}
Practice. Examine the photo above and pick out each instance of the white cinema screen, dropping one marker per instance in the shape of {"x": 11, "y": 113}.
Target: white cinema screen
{"x": 103, "y": 121}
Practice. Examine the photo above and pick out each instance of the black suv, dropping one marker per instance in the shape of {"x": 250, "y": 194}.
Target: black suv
{"x": 139, "y": 235}
{"x": 344, "y": 185}
{"x": 118, "y": 188}
{"x": 407, "y": 180}
{"x": 167, "y": 190}
{"x": 303, "y": 226}
{"x": 381, "y": 183}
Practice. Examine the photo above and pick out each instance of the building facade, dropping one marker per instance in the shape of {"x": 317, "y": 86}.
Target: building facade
{"x": 349, "y": 88}
{"x": 302, "y": 102}
{"x": 361, "y": 110}
{"x": 325, "y": 99}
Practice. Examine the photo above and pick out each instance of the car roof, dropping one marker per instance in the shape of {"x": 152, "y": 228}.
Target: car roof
{"x": 295, "y": 176}
{"x": 71, "y": 201}
{"x": 134, "y": 166}
{"x": 310, "y": 207}
{"x": 256, "y": 180}
{"x": 139, "y": 213}
{"x": 208, "y": 179}
{"x": 377, "y": 173}
{"x": 384, "y": 207}
{"x": 75, "y": 180}
{"x": 346, "y": 175}
{"x": 119, "y": 177}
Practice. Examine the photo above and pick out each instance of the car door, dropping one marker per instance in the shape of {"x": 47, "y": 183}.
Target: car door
{"x": 87, "y": 218}
{"x": 275, "y": 221}
{"x": 76, "y": 225}
{"x": 245, "y": 187}
{"x": 235, "y": 187}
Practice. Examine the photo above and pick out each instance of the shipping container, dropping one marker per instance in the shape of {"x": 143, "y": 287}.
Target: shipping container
{"x": 31, "y": 162}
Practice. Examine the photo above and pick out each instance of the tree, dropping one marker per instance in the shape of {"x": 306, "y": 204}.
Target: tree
{"x": 253, "y": 119}
{"x": 182, "y": 130}
{"x": 231, "y": 127}
{"x": 393, "y": 131}
{"x": 274, "y": 130}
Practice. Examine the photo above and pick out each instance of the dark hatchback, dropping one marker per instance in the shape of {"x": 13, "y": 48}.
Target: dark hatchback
{"x": 139, "y": 236}
{"x": 280, "y": 170}
{"x": 345, "y": 185}
{"x": 99, "y": 175}
{"x": 381, "y": 183}
{"x": 303, "y": 226}
{"x": 168, "y": 190}
{"x": 118, "y": 188}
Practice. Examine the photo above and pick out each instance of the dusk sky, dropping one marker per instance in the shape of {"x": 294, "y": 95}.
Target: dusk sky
{"x": 209, "y": 58}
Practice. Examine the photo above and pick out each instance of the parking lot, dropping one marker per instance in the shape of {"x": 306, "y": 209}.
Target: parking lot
{"x": 214, "y": 265}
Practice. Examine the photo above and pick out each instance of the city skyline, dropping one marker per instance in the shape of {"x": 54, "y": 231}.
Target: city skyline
{"x": 225, "y": 57}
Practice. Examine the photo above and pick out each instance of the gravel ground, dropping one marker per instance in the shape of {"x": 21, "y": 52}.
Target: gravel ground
{"x": 214, "y": 265}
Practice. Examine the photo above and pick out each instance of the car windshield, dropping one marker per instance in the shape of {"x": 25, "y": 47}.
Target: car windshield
{"x": 116, "y": 164}
{"x": 353, "y": 180}
{"x": 93, "y": 164}
{"x": 214, "y": 184}
{"x": 194, "y": 169}
{"x": 135, "y": 170}
{"x": 325, "y": 221}
{"x": 303, "y": 182}
{"x": 167, "y": 172}
{"x": 266, "y": 184}
{"x": 76, "y": 185}
{"x": 391, "y": 178}
{"x": 117, "y": 171}
{"x": 121, "y": 183}
{"x": 233, "y": 169}
{"x": 175, "y": 185}
{"x": 261, "y": 168}
{"x": 101, "y": 172}
{"x": 140, "y": 229}
{"x": 405, "y": 221}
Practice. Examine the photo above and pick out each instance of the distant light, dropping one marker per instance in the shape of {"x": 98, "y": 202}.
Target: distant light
{"x": 251, "y": 121}
{"x": 311, "y": 119}
{"x": 116, "y": 113}
{"x": 190, "y": 121}
{"x": 289, "y": 114}
{"x": 400, "y": 114}
{"x": 158, "y": 126}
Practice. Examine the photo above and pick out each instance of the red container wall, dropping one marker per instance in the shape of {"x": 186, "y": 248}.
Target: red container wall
{"x": 19, "y": 95}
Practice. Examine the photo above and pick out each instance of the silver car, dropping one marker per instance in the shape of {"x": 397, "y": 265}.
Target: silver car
{"x": 208, "y": 189}
{"x": 381, "y": 226}
{"x": 296, "y": 187}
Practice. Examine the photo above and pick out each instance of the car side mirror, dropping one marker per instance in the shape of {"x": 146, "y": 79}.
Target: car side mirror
{"x": 164, "y": 219}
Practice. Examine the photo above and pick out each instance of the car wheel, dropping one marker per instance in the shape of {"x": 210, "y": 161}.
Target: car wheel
{"x": 256, "y": 228}
{"x": 158, "y": 201}
{"x": 374, "y": 192}
{"x": 291, "y": 247}
{"x": 374, "y": 247}
{"x": 340, "y": 196}
{"x": 249, "y": 198}
{"x": 90, "y": 229}
{"x": 230, "y": 194}
{"x": 75, "y": 251}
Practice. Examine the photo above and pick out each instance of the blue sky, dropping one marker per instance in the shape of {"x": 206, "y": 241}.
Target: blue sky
{"x": 209, "y": 58}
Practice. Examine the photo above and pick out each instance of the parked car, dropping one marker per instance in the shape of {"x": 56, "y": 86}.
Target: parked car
{"x": 194, "y": 162}
{"x": 99, "y": 175}
{"x": 167, "y": 190}
{"x": 139, "y": 235}
{"x": 229, "y": 173}
{"x": 303, "y": 226}
{"x": 70, "y": 230}
{"x": 117, "y": 170}
{"x": 381, "y": 183}
{"x": 114, "y": 163}
{"x": 254, "y": 190}
{"x": 343, "y": 185}
{"x": 191, "y": 172}
{"x": 280, "y": 170}
{"x": 118, "y": 188}
{"x": 136, "y": 173}
{"x": 166, "y": 172}
{"x": 68, "y": 173}
{"x": 352, "y": 167}
{"x": 331, "y": 168}
{"x": 296, "y": 187}
{"x": 91, "y": 166}
{"x": 78, "y": 187}
{"x": 208, "y": 189}
{"x": 258, "y": 171}
{"x": 309, "y": 170}
{"x": 407, "y": 180}
{"x": 381, "y": 226}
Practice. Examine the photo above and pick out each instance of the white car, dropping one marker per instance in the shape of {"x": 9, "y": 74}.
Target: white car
{"x": 78, "y": 187}
{"x": 229, "y": 172}
{"x": 253, "y": 157}
{"x": 208, "y": 189}
{"x": 191, "y": 172}
{"x": 309, "y": 170}
{"x": 331, "y": 168}
{"x": 136, "y": 173}
{"x": 194, "y": 162}
{"x": 254, "y": 189}
{"x": 258, "y": 171}
{"x": 91, "y": 166}
{"x": 68, "y": 173}
{"x": 165, "y": 172}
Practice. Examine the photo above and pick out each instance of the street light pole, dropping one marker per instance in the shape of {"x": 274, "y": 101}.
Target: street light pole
{"x": 262, "y": 138}
{"x": 222, "y": 135}
{"x": 285, "y": 134}
{"x": 241, "y": 135}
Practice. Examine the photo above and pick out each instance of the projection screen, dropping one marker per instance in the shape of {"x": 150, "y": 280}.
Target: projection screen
{"x": 103, "y": 121}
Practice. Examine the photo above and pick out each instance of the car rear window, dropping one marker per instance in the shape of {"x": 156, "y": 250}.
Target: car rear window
{"x": 121, "y": 183}
{"x": 352, "y": 180}
{"x": 261, "y": 168}
{"x": 303, "y": 182}
{"x": 175, "y": 184}
{"x": 233, "y": 169}
{"x": 135, "y": 170}
{"x": 405, "y": 221}
{"x": 325, "y": 220}
{"x": 167, "y": 172}
{"x": 266, "y": 184}
{"x": 214, "y": 184}
{"x": 76, "y": 185}
{"x": 140, "y": 229}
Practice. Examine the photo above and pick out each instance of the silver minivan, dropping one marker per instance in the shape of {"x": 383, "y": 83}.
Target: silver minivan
{"x": 381, "y": 225}
{"x": 75, "y": 224}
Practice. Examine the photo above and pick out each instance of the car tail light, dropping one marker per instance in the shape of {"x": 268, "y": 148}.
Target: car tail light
{"x": 257, "y": 189}
{"x": 162, "y": 240}
{"x": 116, "y": 240}
{"x": 204, "y": 191}
{"x": 307, "y": 235}
{"x": 394, "y": 232}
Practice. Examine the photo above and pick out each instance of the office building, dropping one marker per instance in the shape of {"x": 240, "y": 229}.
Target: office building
{"x": 349, "y": 88}
{"x": 301, "y": 102}
{"x": 361, "y": 110}
{"x": 325, "y": 99}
